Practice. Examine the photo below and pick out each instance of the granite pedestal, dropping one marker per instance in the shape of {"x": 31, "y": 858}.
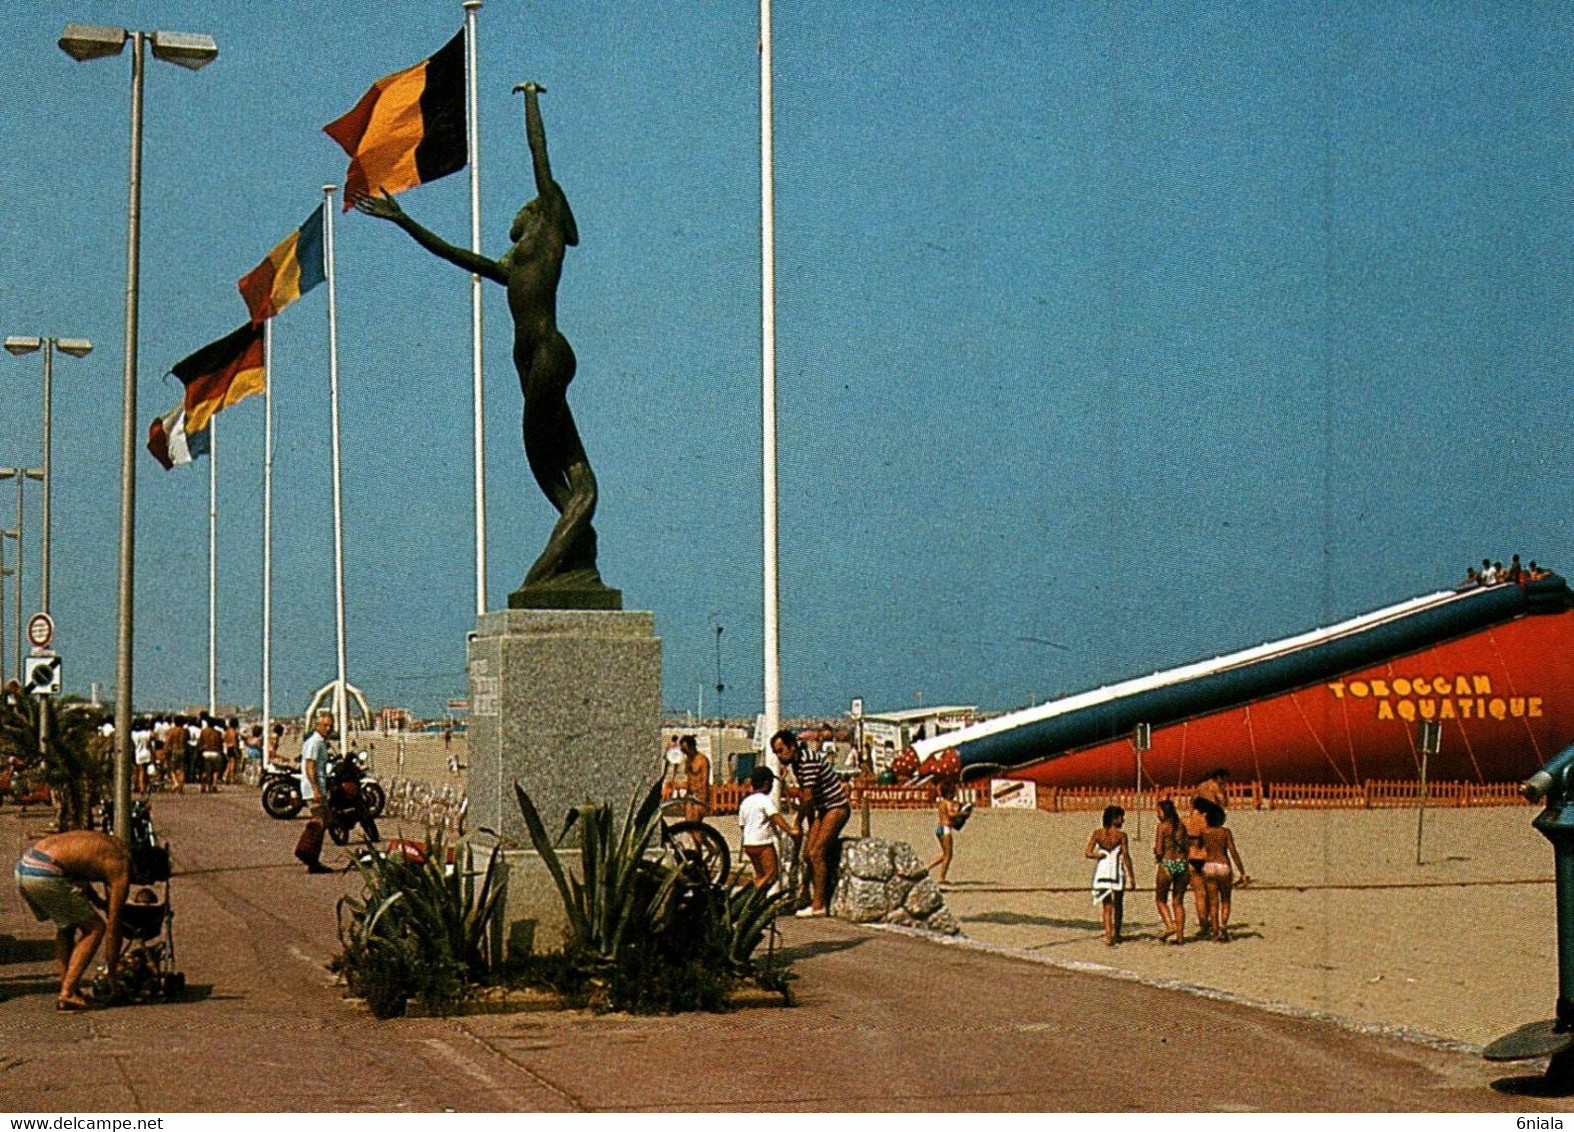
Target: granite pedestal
{"x": 568, "y": 704}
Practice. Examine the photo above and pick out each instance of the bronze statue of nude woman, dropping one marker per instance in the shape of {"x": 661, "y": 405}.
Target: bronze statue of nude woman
{"x": 565, "y": 574}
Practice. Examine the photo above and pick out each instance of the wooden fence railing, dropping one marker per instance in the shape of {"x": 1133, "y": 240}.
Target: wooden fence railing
{"x": 1369, "y": 795}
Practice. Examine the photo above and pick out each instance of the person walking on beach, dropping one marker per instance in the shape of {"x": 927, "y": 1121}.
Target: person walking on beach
{"x": 1174, "y": 874}
{"x": 823, "y": 811}
{"x": 1218, "y": 844}
{"x": 1194, "y": 823}
{"x": 1113, "y": 874}
{"x": 1215, "y": 789}
{"x": 175, "y": 742}
{"x": 946, "y": 809}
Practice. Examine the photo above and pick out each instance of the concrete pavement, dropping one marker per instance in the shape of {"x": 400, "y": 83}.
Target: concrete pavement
{"x": 884, "y": 1022}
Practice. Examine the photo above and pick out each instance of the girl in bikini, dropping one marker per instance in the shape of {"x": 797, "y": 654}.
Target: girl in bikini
{"x": 1218, "y": 844}
{"x": 1174, "y": 875}
{"x": 1109, "y": 840}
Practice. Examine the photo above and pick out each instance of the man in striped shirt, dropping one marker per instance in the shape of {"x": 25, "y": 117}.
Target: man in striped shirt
{"x": 823, "y": 809}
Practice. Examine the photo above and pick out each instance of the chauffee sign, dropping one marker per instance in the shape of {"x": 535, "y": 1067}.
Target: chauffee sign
{"x": 1437, "y": 697}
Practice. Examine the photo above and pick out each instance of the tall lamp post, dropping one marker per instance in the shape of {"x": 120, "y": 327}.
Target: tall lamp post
{"x": 83, "y": 43}
{"x": 5, "y": 572}
{"x": 21, "y": 476}
{"x": 77, "y": 348}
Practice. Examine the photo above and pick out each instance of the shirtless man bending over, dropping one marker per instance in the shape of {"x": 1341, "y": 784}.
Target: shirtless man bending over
{"x": 54, "y": 878}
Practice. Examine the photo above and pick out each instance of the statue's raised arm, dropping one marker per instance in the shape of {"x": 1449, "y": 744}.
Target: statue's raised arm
{"x": 384, "y": 207}
{"x": 550, "y": 192}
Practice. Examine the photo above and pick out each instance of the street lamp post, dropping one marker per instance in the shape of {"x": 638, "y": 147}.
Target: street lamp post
{"x": 5, "y": 572}
{"x": 77, "y": 348}
{"x": 83, "y": 43}
{"x": 21, "y": 476}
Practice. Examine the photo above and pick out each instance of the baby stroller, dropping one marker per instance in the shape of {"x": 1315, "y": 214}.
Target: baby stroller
{"x": 147, "y": 929}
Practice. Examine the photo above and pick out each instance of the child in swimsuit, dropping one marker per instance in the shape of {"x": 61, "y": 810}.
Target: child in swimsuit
{"x": 1218, "y": 877}
{"x": 1174, "y": 875}
{"x": 1114, "y": 873}
{"x": 945, "y": 828}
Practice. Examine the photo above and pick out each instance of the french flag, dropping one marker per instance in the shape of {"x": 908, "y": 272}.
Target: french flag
{"x": 169, "y": 442}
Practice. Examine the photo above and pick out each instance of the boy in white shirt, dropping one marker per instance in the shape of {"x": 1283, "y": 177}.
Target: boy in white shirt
{"x": 757, "y": 815}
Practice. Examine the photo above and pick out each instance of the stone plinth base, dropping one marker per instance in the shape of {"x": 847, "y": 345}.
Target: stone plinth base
{"x": 566, "y": 702}
{"x": 530, "y": 918}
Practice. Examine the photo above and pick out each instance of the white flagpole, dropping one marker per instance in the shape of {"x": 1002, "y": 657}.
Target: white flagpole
{"x": 773, "y": 675}
{"x": 213, "y": 564}
{"x": 267, "y": 535}
{"x": 473, "y": 138}
{"x": 340, "y": 706}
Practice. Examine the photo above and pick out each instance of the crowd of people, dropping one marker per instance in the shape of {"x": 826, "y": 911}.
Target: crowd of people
{"x": 172, "y": 752}
{"x": 1496, "y": 574}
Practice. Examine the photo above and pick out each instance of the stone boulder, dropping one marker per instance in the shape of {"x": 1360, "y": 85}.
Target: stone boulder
{"x": 869, "y": 858}
{"x": 886, "y": 882}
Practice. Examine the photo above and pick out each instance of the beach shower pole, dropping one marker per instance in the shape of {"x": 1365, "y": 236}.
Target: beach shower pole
{"x": 1141, "y": 741}
{"x": 1431, "y": 743}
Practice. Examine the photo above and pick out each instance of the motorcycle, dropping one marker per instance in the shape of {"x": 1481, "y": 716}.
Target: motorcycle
{"x": 349, "y": 778}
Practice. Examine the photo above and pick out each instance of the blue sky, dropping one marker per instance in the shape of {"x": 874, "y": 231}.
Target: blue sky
{"x": 1149, "y": 331}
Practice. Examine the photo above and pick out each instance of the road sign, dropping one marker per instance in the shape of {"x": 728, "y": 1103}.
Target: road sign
{"x": 858, "y": 707}
{"x": 40, "y": 630}
{"x": 41, "y": 675}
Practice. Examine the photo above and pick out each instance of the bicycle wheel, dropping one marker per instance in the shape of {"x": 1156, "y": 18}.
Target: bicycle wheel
{"x": 702, "y": 852}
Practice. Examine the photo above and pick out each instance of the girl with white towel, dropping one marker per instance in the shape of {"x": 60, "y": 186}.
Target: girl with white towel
{"x": 1113, "y": 874}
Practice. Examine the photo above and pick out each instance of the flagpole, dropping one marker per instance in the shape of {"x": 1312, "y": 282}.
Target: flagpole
{"x": 213, "y": 564}
{"x": 267, "y": 534}
{"x": 339, "y": 705}
{"x": 773, "y": 677}
{"x": 473, "y": 140}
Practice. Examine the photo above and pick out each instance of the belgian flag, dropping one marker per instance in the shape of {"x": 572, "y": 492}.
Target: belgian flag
{"x": 408, "y": 129}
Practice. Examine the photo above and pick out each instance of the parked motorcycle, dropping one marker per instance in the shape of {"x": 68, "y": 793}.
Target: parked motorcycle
{"x": 349, "y": 778}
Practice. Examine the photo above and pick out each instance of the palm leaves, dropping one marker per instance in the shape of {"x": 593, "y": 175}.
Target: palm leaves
{"x": 74, "y": 759}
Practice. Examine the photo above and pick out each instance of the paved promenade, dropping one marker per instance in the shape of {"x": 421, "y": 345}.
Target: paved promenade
{"x": 894, "y": 1023}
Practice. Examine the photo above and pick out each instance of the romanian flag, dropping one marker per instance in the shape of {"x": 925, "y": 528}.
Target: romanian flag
{"x": 408, "y": 129}
{"x": 171, "y": 444}
{"x": 291, "y": 269}
{"x": 221, "y": 374}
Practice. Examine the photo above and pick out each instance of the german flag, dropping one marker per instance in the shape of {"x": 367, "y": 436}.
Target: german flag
{"x": 408, "y": 129}
{"x": 291, "y": 269}
{"x": 221, "y": 374}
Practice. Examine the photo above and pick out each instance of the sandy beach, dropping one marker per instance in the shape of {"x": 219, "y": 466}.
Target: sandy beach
{"x": 1338, "y": 919}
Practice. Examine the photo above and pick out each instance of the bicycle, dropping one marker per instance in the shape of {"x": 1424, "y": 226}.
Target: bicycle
{"x": 693, "y": 847}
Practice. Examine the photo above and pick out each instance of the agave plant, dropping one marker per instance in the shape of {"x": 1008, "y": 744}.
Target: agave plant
{"x": 420, "y": 924}
{"x": 643, "y": 933}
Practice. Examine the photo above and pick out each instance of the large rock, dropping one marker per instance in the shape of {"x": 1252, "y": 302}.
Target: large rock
{"x": 869, "y": 858}
{"x": 924, "y": 898}
{"x": 896, "y": 890}
{"x": 861, "y": 901}
{"x": 944, "y": 922}
{"x": 907, "y": 863}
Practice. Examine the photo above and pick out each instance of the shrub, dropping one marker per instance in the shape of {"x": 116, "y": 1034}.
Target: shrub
{"x": 420, "y": 930}
{"x": 645, "y": 935}
{"x": 74, "y": 761}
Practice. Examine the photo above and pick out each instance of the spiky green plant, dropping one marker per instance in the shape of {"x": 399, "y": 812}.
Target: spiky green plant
{"x": 614, "y": 890}
{"x": 643, "y": 935}
{"x": 420, "y": 925}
